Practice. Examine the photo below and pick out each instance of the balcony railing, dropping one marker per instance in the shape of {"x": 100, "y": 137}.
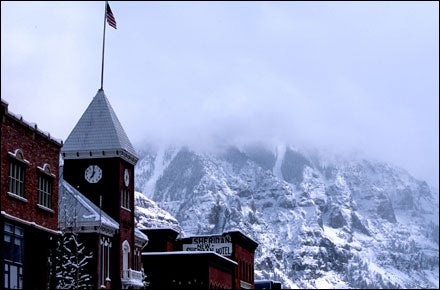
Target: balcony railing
{"x": 132, "y": 277}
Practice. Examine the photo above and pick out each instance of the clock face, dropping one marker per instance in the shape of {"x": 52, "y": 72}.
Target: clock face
{"x": 126, "y": 177}
{"x": 93, "y": 174}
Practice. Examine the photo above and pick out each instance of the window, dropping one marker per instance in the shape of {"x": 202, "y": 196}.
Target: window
{"x": 252, "y": 271}
{"x": 136, "y": 260}
{"x": 13, "y": 256}
{"x": 16, "y": 178}
{"x": 45, "y": 190}
{"x": 45, "y": 181}
{"x": 103, "y": 265}
{"x": 125, "y": 253}
{"x": 105, "y": 260}
{"x": 125, "y": 203}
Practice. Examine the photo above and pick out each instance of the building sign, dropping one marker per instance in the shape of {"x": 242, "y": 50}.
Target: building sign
{"x": 222, "y": 245}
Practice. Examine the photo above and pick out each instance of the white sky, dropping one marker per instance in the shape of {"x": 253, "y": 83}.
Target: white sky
{"x": 350, "y": 76}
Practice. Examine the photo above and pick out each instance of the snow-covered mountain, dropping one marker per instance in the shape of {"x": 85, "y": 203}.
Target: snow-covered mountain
{"x": 148, "y": 214}
{"x": 321, "y": 222}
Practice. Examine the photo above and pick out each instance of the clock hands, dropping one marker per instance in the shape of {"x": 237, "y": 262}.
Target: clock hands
{"x": 93, "y": 173}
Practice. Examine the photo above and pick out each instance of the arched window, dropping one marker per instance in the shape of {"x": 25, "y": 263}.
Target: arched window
{"x": 17, "y": 171}
{"x": 125, "y": 254}
{"x": 45, "y": 188}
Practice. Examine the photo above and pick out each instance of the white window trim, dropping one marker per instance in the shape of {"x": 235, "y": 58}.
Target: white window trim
{"x": 20, "y": 198}
{"x": 18, "y": 155}
{"x": 125, "y": 255}
{"x": 46, "y": 170}
{"x": 45, "y": 208}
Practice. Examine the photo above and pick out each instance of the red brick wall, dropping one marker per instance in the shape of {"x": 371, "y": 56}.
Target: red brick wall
{"x": 38, "y": 149}
{"x": 170, "y": 246}
{"x": 245, "y": 267}
{"x": 219, "y": 279}
{"x": 110, "y": 186}
{"x": 126, "y": 218}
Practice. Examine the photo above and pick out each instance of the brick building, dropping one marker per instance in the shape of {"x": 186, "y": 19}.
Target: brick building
{"x": 222, "y": 261}
{"x": 99, "y": 162}
{"x": 98, "y": 232}
{"x": 95, "y": 187}
{"x": 29, "y": 161}
{"x": 233, "y": 245}
{"x": 188, "y": 270}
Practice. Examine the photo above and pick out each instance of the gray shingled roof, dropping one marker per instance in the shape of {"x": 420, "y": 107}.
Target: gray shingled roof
{"x": 99, "y": 130}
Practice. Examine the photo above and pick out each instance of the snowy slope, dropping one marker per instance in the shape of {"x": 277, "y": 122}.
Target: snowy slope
{"x": 321, "y": 221}
{"x": 149, "y": 215}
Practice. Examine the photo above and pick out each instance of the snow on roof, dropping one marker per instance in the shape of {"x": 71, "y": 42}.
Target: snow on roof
{"x": 187, "y": 253}
{"x": 140, "y": 234}
{"x": 99, "y": 130}
{"x": 72, "y": 202}
{"x": 33, "y": 126}
{"x": 29, "y": 223}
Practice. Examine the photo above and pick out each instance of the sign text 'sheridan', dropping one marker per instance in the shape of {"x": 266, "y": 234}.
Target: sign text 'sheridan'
{"x": 220, "y": 244}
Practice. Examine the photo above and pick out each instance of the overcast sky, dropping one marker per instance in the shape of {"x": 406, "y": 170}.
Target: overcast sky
{"x": 349, "y": 76}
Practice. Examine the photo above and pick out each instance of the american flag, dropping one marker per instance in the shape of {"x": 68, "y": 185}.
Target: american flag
{"x": 110, "y": 18}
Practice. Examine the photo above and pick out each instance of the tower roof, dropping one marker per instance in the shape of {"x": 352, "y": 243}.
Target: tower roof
{"x": 99, "y": 134}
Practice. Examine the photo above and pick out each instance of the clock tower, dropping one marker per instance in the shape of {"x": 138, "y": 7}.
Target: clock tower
{"x": 99, "y": 162}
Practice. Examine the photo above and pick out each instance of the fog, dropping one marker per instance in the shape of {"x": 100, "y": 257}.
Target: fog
{"x": 351, "y": 77}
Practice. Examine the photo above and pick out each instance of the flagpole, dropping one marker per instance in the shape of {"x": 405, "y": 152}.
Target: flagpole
{"x": 103, "y": 46}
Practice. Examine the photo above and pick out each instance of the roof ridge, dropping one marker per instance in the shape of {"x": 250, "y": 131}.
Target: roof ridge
{"x": 117, "y": 122}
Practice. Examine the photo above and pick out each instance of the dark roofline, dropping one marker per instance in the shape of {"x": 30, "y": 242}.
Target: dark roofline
{"x": 4, "y": 108}
{"x": 170, "y": 231}
{"x": 185, "y": 259}
{"x": 106, "y": 153}
{"x": 243, "y": 239}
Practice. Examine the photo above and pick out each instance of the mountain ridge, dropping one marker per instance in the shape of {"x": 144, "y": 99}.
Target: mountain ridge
{"x": 320, "y": 221}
